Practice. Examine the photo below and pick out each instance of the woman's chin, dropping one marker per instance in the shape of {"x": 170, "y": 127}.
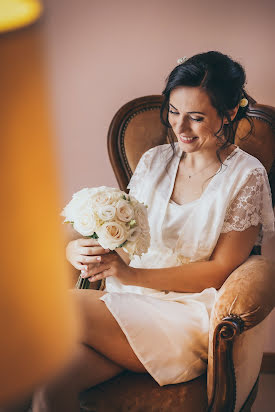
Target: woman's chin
{"x": 188, "y": 147}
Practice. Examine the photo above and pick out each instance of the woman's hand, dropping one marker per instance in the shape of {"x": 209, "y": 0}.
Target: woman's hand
{"x": 110, "y": 264}
{"x": 84, "y": 254}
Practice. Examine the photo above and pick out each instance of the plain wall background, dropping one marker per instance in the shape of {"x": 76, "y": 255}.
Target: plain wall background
{"x": 101, "y": 54}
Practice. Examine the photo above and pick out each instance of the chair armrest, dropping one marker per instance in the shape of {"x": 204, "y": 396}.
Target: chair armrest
{"x": 249, "y": 293}
{"x": 244, "y": 301}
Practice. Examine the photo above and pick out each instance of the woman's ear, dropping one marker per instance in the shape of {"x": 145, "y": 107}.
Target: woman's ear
{"x": 232, "y": 114}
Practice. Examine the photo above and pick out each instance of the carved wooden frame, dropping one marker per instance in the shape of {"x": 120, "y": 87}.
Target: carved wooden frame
{"x": 116, "y": 135}
{"x": 224, "y": 381}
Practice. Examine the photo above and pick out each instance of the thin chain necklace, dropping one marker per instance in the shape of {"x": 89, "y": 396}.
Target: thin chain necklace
{"x": 194, "y": 174}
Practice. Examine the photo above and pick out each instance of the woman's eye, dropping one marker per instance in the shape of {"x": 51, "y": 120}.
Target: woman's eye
{"x": 197, "y": 119}
{"x": 172, "y": 111}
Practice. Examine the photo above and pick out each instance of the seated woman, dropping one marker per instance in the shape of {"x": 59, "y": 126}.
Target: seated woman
{"x": 208, "y": 203}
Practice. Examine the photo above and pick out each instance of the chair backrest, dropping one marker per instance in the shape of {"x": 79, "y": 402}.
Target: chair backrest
{"x": 136, "y": 127}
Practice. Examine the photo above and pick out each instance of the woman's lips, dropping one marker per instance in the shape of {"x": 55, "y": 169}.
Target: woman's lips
{"x": 185, "y": 139}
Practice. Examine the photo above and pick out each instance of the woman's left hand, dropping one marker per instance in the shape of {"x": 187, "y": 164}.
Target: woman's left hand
{"x": 110, "y": 264}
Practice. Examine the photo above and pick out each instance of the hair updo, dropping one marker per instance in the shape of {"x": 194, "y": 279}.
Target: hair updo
{"x": 222, "y": 78}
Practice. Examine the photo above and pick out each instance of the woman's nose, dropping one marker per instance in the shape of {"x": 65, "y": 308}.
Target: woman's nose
{"x": 181, "y": 126}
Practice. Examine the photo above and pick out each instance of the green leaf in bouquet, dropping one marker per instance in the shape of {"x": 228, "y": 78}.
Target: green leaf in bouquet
{"x": 94, "y": 236}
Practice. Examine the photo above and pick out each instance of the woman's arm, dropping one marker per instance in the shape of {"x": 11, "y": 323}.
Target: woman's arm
{"x": 232, "y": 249}
{"x": 124, "y": 255}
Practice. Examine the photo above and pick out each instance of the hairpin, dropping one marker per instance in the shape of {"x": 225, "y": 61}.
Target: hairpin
{"x": 182, "y": 60}
{"x": 243, "y": 102}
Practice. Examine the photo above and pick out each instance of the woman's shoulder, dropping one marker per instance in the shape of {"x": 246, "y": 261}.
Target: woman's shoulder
{"x": 242, "y": 165}
{"x": 147, "y": 170}
{"x": 157, "y": 153}
{"x": 246, "y": 159}
{"x": 161, "y": 148}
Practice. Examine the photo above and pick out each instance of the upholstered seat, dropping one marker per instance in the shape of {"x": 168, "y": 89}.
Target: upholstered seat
{"x": 239, "y": 315}
{"x": 139, "y": 392}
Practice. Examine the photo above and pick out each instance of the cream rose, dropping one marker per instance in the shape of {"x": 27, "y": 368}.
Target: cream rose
{"x": 124, "y": 211}
{"x": 85, "y": 223}
{"x": 106, "y": 212}
{"x": 141, "y": 217}
{"x": 105, "y": 196}
{"x": 79, "y": 202}
{"x": 139, "y": 246}
{"x": 112, "y": 234}
{"x": 134, "y": 234}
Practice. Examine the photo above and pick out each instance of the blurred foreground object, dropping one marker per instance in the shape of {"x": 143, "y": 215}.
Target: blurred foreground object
{"x": 15, "y": 14}
{"x": 37, "y": 321}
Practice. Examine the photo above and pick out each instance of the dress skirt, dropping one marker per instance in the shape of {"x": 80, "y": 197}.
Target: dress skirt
{"x": 167, "y": 331}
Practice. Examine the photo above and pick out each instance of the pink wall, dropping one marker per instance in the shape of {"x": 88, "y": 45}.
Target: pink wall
{"x": 101, "y": 54}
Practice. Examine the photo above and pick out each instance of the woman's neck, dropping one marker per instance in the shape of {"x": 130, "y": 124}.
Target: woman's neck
{"x": 198, "y": 160}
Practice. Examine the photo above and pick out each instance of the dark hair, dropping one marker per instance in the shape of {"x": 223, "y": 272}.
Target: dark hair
{"x": 222, "y": 78}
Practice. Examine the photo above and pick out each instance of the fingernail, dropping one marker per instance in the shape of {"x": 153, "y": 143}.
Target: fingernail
{"x": 98, "y": 258}
{"x": 82, "y": 274}
{"x": 107, "y": 250}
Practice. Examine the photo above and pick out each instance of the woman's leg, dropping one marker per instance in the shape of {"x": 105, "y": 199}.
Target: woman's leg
{"x": 103, "y": 352}
{"x": 86, "y": 369}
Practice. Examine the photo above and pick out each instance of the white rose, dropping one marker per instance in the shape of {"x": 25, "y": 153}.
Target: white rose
{"x": 141, "y": 216}
{"x": 124, "y": 211}
{"x": 134, "y": 234}
{"x": 85, "y": 223}
{"x": 80, "y": 200}
{"x": 106, "y": 212}
{"x": 139, "y": 246}
{"x": 111, "y": 235}
{"x": 105, "y": 196}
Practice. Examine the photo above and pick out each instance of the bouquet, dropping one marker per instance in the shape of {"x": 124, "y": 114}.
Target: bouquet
{"x": 112, "y": 217}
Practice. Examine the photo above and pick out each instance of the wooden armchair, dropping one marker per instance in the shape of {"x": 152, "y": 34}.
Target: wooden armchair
{"x": 239, "y": 316}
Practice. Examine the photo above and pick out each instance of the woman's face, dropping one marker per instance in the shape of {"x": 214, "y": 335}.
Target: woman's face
{"x": 193, "y": 119}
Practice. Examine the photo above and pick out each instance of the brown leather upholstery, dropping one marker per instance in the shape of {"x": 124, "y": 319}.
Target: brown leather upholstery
{"x": 140, "y": 393}
{"x": 244, "y": 300}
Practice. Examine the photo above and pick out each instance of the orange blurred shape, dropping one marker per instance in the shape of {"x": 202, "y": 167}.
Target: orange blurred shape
{"x": 37, "y": 321}
{"x": 18, "y": 13}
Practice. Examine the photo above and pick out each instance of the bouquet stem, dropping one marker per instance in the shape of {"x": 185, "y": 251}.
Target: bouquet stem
{"x": 82, "y": 283}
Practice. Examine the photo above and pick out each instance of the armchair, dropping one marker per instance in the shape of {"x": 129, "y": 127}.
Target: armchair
{"x": 240, "y": 313}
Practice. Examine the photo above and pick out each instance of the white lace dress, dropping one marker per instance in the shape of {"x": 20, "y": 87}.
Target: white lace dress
{"x": 168, "y": 331}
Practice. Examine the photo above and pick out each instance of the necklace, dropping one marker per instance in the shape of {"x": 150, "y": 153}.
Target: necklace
{"x": 206, "y": 167}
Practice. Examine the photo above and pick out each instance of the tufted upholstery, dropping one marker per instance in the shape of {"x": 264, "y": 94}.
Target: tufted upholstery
{"x": 235, "y": 343}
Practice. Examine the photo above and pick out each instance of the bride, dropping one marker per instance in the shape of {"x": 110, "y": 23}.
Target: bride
{"x": 208, "y": 203}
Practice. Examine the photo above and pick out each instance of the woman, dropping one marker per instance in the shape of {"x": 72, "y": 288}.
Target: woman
{"x": 208, "y": 203}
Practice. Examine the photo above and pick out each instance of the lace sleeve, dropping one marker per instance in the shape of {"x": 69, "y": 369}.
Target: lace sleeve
{"x": 140, "y": 173}
{"x": 252, "y": 205}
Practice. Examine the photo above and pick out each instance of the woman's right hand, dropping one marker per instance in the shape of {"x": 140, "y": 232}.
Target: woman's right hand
{"x": 83, "y": 253}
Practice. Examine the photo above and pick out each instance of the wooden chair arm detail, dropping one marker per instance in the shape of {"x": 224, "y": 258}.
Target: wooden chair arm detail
{"x": 224, "y": 390}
